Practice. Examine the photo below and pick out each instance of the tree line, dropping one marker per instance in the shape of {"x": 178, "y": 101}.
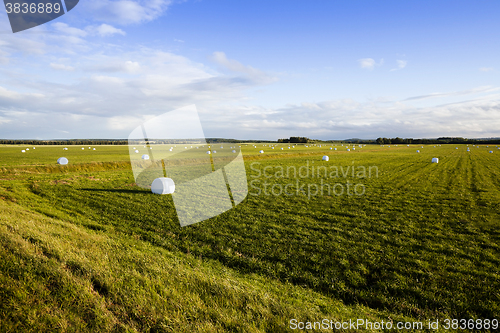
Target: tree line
{"x": 442, "y": 140}
{"x": 295, "y": 139}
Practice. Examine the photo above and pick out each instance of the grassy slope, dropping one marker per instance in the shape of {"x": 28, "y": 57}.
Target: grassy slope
{"x": 423, "y": 243}
{"x": 56, "y": 276}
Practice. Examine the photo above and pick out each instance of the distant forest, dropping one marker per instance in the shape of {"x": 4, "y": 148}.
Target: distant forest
{"x": 293, "y": 139}
{"x": 443, "y": 140}
{"x": 94, "y": 142}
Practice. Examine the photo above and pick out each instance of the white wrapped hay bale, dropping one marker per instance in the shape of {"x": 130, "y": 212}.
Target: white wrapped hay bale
{"x": 136, "y": 151}
{"x": 262, "y": 152}
{"x": 208, "y": 151}
{"x": 418, "y": 151}
{"x": 23, "y": 151}
{"x": 234, "y": 151}
{"x": 145, "y": 157}
{"x": 326, "y": 158}
{"x": 491, "y": 151}
{"x": 435, "y": 160}
{"x": 62, "y": 161}
{"x": 83, "y": 148}
{"x": 163, "y": 185}
{"x": 348, "y": 150}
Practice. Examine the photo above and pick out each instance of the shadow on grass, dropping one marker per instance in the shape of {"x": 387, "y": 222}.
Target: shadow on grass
{"x": 116, "y": 190}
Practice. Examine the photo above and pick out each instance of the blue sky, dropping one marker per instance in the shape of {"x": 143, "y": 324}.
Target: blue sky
{"x": 256, "y": 69}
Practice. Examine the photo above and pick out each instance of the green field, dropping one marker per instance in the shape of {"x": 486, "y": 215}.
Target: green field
{"x": 86, "y": 250}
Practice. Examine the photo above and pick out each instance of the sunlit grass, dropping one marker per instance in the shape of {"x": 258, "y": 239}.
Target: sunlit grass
{"x": 422, "y": 242}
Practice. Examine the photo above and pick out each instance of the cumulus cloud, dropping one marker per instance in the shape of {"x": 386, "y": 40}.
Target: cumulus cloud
{"x": 486, "y": 69}
{"x": 342, "y": 119}
{"x": 237, "y": 67}
{"x": 109, "y": 86}
{"x": 124, "y": 12}
{"x": 105, "y": 30}
{"x": 401, "y": 65}
{"x": 369, "y": 63}
{"x": 62, "y": 67}
{"x": 67, "y": 30}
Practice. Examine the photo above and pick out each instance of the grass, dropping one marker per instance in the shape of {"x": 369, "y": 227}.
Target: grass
{"x": 87, "y": 250}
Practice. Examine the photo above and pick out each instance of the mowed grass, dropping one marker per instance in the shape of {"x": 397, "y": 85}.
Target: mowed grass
{"x": 86, "y": 249}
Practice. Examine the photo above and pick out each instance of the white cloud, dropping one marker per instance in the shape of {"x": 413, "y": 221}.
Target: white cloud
{"x": 62, "y": 67}
{"x": 178, "y": 40}
{"x": 237, "y": 67}
{"x": 67, "y": 30}
{"x": 341, "y": 119}
{"x": 369, "y": 63}
{"x": 479, "y": 90}
{"x": 401, "y": 65}
{"x": 486, "y": 69}
{"x": 125, "y": 12}
{"x": 105, "y": 30}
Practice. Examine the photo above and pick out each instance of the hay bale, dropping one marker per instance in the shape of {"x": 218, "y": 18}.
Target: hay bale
{"x": 326, "y": 158}
{"x": 208, "y": 151}
{"x": 145, "y": 157}
{"x": 136, "y": 151}
{"x": 418, "y": 151}
{"x": 62, "y": 161}
{"x": 491, "y": 151}
{"x": 262, "y": 152}
{"x": 234, "y": 151}
{"x": 348, "y": 149}
{"x": 435, "y": 160}
{"x": 163, "y": 185}
{"x": 23, "y": 151}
